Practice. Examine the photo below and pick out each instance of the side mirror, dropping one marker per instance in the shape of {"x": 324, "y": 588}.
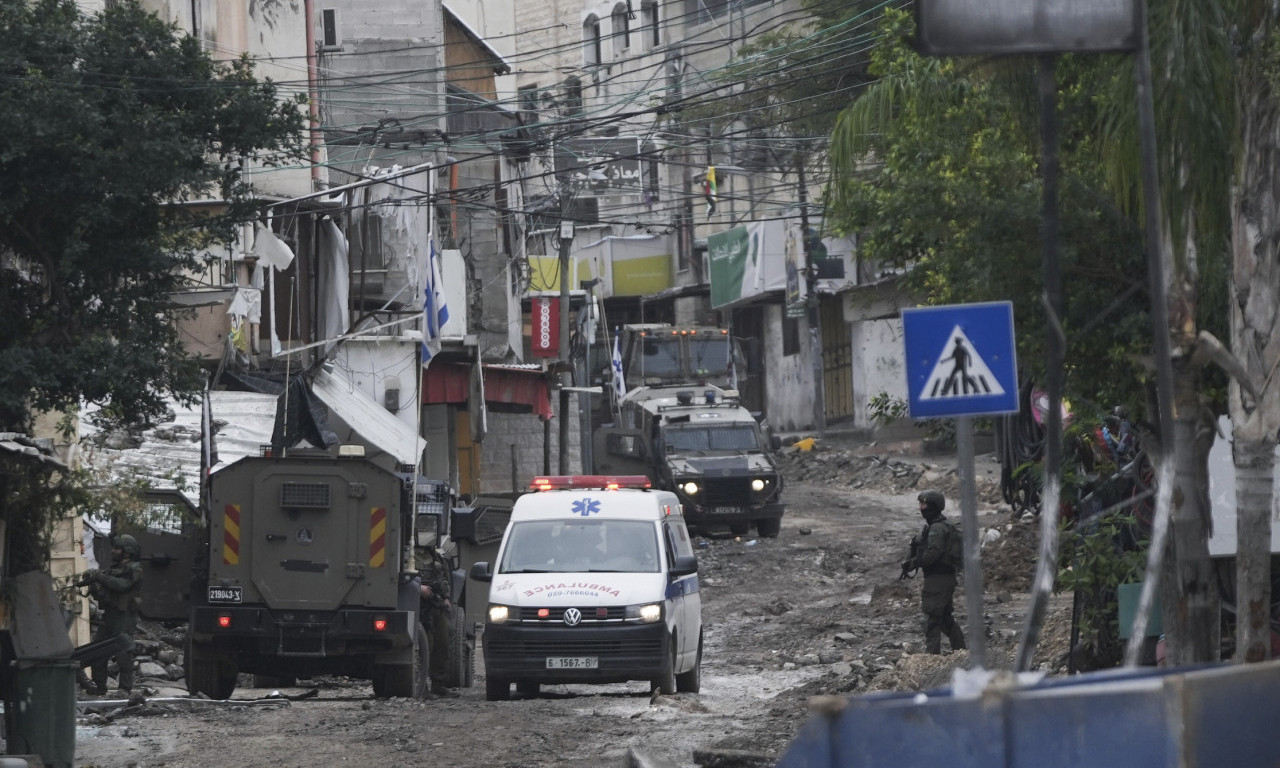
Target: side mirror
{"x": 775, "y": 442}
{"x": 685, "y": 565}
{"x": 481, "y": 572}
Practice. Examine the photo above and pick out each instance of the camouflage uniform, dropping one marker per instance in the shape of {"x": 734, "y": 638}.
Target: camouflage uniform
{"x": 938, "y": 593}
{"x": 436, "y": 613}
{"x": 117, "y": 590}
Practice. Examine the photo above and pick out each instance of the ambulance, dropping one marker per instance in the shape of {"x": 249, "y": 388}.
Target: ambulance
{"x": 595, "y": 581}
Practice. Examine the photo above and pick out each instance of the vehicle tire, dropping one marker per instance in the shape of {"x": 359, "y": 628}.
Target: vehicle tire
{"x": 691, "y": 681}
{"x": 209, "y": 672}
{"x": 496, "y": 689}
{"x": 769, "y": 527}
{"x": 406, "y": 681}
{"x": 274, "y": 681}
{"x": 528, "y": 688}
{"x": 665, "y": 682}
{"x": 461, "y": 654}
{"x": 739, "y": 529}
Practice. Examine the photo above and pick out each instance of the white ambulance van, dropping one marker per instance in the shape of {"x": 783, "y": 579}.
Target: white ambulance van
{"x": 595, "y": 582}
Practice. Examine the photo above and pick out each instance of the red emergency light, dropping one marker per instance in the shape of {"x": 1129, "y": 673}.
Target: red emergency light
{"x": 580, "y": 482}
{"x": 224, "y": 621}
{"x": 380, "y": 624}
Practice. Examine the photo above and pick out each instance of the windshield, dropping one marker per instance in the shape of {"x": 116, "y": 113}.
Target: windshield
{"x": 581, "y": 546}
{"x": 729, "y": 437}
{"x": 660, "y": 356}
{"x": 710, "y": 354}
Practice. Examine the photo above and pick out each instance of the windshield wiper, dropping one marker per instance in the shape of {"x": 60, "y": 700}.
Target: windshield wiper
{"x": 532, "y": 570}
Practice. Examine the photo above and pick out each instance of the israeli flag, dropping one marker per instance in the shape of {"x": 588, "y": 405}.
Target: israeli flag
{"x": 619, "y": 380}
{"x": 435, "y": 313}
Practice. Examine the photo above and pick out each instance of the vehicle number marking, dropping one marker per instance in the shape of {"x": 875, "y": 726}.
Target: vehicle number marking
{"x": 226, "y": 594}
{"x": 725, "y": 510}
{"x": 573, "y": 662}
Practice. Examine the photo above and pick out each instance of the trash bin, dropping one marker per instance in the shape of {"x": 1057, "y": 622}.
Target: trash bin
{"x": 44, "y": 710}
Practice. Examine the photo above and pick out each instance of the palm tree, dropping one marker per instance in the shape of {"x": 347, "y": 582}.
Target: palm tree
{"x": 1254, "y": 397}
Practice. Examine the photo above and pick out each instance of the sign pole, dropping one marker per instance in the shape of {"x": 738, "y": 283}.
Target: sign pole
{"x": 972, "y": 552}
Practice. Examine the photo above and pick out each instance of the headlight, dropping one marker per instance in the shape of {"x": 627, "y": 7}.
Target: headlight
{"x": 645, "y": 614}
{"x": 757, "y": 485}
{"x": 690, "y": 488}
{"x": 498, "y": 614}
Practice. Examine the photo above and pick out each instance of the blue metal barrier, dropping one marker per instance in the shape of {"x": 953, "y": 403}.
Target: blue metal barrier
{"x": 1203, "y": 717}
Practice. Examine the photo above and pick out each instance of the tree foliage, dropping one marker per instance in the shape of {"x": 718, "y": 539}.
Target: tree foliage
{"x": 936, "y": 167}
{"x": 110, "y": 126}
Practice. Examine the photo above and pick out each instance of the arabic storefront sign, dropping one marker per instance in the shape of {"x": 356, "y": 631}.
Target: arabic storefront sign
{"x": 751, "y": 260}
{"x": 602, "y": 166}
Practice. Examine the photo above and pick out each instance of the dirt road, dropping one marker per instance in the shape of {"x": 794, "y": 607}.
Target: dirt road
{"x": 818, "y": 610}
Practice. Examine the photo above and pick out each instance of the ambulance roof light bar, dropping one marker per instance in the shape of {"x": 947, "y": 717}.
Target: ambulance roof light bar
{"x": 579, "y": 482}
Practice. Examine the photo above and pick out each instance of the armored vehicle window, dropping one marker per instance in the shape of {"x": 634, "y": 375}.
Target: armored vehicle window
{"x": 304, "y": 495}
{"x": 730, "y": 437}
{"x": 660, "y": 357}
{"x": 709, "y": 354}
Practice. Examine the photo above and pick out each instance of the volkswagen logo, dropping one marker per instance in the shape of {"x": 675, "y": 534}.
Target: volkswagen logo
{"x": 572, "y": 617}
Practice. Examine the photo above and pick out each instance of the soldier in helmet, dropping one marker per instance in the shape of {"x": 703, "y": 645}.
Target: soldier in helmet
{"x": 936, "y": 552}
{"x": 436, "y": 614}
{"x": 117, "y": 590}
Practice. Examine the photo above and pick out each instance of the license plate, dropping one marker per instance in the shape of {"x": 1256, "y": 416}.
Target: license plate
{"x": 573, "y": 662}
{"x": 226, "y": 594}
{"x": 725, "y": 510}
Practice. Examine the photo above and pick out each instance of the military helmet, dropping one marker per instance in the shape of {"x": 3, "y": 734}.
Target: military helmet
{"x": 128, "y": 544}
{"x": 934, "y": 500}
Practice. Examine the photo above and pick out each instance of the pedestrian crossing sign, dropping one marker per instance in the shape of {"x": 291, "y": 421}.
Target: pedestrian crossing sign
{"x": 960, "y": 360}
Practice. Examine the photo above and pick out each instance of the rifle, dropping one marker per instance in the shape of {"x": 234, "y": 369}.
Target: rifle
{"x": 907, "y": 570}
{"x": 87, "y": 579}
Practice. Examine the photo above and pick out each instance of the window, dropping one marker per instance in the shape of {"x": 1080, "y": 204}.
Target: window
{"x": 649, "y": 22}
{"x": 591, "y": 41}
{"x": 621, "y": 19}
{"x": 703, "y": 11}
{"x": 790, "y": 336}
{"x": 528, "y": 99}
{"x": 572, "y": 97}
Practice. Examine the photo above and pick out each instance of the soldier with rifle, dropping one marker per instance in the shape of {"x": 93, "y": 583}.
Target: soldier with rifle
{"x": 436, "y": 614}
{"x": 118, "y": 592}
{"x": 936, "y": 550}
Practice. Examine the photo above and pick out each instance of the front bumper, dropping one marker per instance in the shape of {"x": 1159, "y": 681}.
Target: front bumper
{"x": 728, "y": 498}
{"x": 624, "y": 652}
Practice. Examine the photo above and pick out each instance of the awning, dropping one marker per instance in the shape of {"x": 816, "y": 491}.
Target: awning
{"x": 368, "y": 419}
{"x": 510, "y": 388}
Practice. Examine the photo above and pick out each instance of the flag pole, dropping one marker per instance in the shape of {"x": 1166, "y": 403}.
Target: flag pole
{"x": 412, "y": 539}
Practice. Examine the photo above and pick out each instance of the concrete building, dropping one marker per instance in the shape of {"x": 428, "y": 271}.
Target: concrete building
{"x": 615, "y": 96}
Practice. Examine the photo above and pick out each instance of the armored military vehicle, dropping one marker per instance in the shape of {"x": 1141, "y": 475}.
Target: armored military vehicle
{"x": 311, "y": 571}
{"x": 703, "y": 445}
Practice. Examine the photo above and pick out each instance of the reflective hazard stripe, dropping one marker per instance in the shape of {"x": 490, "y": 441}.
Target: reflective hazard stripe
{"x": 377, "y": 537}
{"x": 231, "y": 535}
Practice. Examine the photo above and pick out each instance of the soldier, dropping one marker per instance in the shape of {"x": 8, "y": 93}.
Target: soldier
{"x": 436, "y": 614}
{"x": 117, "y": 590}
{"x": 936, "y": 552}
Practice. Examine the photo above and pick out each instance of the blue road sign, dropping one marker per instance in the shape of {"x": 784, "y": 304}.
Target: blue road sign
{"x": 960, "y": 360}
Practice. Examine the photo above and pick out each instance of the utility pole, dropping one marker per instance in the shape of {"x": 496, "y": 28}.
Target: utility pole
{"x": 566, "y": 369}
{"x": 814, "y": 313}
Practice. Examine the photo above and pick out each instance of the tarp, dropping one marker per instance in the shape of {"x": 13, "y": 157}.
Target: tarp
{"x": 367, "y": 418}
{"x": 509, "y": 389}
